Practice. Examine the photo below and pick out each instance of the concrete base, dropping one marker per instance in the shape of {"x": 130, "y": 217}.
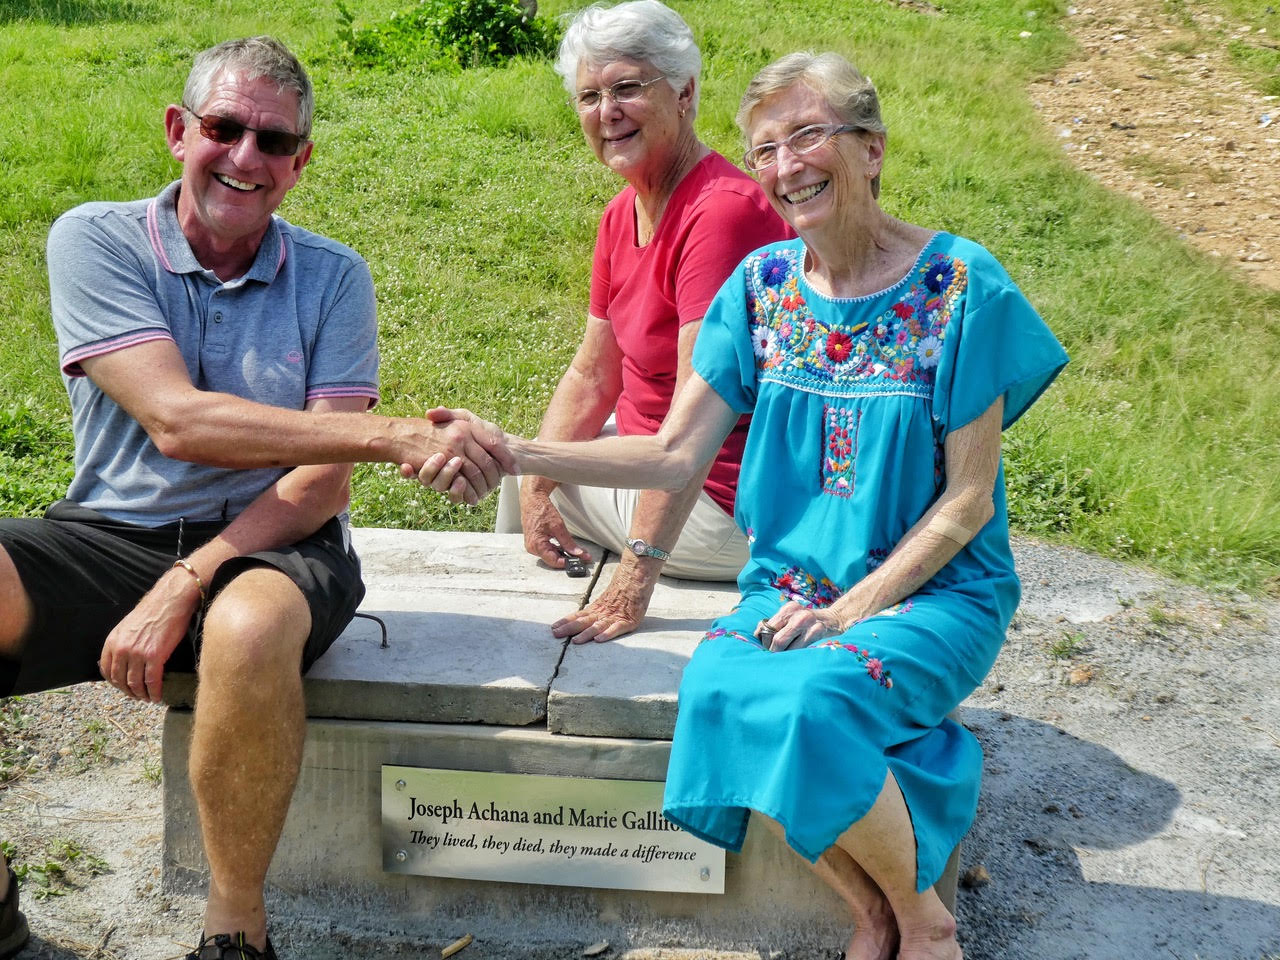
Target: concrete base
{"x": 332, "y": 846}
{"x": 472, "y": 680}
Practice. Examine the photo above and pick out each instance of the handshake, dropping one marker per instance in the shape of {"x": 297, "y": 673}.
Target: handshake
{"x": 454, "y": 452}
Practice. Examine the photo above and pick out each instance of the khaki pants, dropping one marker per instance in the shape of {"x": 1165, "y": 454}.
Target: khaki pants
{"x": 710, "y": 547}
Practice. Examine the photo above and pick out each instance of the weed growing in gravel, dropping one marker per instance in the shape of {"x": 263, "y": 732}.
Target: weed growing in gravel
{"x": 1068, "y": 645}
{"x": 65, "y": 863}
{"x": 152, "y": 770}
{"x": 15, "y": 757}
{"x": 1164, "y": 617}
{"x": 92, "y": 746}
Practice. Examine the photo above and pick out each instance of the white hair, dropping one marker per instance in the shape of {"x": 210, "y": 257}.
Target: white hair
{"x": 645, "y": 30}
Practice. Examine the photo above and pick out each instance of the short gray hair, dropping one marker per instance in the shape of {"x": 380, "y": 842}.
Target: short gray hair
{"x": 636, "y": 30}
{"x": 850, "y": 95}
{"x": 256, "y": 57}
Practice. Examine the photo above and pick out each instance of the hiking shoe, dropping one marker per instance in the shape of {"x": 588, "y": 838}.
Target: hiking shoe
{"x": 13, "y": 925}
{"x": 227, "y": 946}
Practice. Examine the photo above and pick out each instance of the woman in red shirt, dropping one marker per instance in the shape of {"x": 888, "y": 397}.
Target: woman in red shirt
{"x": 666, "y": 243}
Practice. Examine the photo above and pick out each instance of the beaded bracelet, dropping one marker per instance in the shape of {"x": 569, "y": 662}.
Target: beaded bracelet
{"x": 186, "y": 565}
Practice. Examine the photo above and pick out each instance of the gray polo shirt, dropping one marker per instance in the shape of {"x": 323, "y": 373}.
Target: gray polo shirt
{"x": 300, "y": 325}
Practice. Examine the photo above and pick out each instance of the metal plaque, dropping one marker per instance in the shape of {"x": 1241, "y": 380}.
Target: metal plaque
{"x": 524, "y": 828}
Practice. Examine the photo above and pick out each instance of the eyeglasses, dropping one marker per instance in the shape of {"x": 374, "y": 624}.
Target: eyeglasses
{"x": 624, "y": 91}
{"x": 275, "y": 143}
{"x": 805, "y": 140}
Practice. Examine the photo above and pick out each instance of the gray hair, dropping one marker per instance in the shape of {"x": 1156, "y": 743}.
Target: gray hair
{"x": 849, "y": 94}
{"x": 256, "y": 57}
{"x": 636, "y": 30}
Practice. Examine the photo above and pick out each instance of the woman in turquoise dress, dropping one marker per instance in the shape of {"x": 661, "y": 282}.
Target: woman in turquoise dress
{"x": 880, "y": 362}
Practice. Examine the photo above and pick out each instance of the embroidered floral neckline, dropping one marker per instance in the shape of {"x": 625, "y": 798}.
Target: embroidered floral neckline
{"x": 803, "y": 274}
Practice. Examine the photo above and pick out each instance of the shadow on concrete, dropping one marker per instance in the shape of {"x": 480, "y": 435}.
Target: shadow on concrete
{"x": 1049, "y": 800}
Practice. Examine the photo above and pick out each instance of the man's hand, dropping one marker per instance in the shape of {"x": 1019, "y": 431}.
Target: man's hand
{"x": 468, "y": 459}
{"x": 135, "y": 653}
{"x": 543, "y": 524}
{"x": 617, "y": 611}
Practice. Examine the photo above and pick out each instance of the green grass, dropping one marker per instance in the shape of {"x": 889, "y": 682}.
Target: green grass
{"x": 475, "y": 202}
{"x": 1249, "y": 29}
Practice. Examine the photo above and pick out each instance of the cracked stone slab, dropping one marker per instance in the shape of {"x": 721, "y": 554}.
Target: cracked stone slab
{"x": 412, "y": 560}
{"x": 468, "y": 629}
{"x": 627, "y": 687}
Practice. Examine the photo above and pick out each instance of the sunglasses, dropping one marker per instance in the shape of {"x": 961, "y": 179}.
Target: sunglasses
{"x": 275, "y": 143}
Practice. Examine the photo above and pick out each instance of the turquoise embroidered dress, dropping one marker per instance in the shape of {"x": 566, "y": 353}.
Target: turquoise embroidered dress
{"x": 851, "y": 402}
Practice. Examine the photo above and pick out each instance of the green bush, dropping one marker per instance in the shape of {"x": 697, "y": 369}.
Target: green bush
{"x": 440, "y": 34}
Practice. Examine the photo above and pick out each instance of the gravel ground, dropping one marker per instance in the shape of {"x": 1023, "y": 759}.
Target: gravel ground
{"x": 1132, "y": 734}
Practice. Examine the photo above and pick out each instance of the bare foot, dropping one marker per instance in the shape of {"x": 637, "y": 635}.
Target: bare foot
{"x": 875, "y": 936}
{"x": 933, "y": 941}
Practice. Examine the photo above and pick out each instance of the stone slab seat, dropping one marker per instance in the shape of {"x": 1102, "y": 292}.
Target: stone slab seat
{"x": 472, "y": 679}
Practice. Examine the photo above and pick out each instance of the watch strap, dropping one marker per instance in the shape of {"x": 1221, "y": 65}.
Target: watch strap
{"x": 642, "y": 549}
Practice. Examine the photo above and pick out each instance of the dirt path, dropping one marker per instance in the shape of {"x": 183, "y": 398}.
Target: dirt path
{"x": 1153, "y": 110}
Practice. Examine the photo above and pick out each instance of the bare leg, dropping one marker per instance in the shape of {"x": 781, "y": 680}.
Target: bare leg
{"x": 883, "y": 844}
{"x": 15, "y": 617}
{"x": 15, "y": 608}
{"x": 875, "y": 934}
{"x": 246, "y": 748}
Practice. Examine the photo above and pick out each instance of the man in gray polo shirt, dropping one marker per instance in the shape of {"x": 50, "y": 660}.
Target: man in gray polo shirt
{"x": 211, "y": 350}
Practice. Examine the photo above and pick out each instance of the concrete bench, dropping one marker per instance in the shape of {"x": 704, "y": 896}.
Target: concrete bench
{"x": 473, "y": 680}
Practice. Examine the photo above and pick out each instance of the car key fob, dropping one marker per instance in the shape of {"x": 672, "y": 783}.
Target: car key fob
{"x": 573, "y": 566}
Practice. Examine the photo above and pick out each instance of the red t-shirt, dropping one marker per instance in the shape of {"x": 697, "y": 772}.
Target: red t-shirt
{"x": 716, "y": 217}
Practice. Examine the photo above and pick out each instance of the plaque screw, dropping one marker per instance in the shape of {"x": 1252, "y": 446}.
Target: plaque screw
{"x": 400, "y": 784}
{"x": 401, "y": 856}
{"x": 704, "y": 873}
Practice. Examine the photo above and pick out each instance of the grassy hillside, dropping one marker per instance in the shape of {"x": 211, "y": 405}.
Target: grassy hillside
{"x": 475, "y": 201}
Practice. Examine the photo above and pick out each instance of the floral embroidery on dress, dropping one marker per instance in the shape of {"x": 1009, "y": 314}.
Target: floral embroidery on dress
{"x": 805, "y": 589}
{"x": 874, "y": 665}
{"x": 875, "y": 558}
{"x": 719, "y": 632}
{"x": 900, "y": 348}
{"x": 840, "y": 448}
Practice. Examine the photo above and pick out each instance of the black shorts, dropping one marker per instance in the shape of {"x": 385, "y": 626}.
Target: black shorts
{"x": 84, "y": 572}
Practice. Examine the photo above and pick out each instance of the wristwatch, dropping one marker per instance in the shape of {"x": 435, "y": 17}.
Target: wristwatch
{"x": 642, "y": 549}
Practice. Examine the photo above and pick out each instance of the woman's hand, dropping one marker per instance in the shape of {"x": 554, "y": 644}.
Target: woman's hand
{"x": 456, "y": 471}
{"x": 795, "y": 626}
{"x": 544, "y": 527}
{"x": 617, "y": 611}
